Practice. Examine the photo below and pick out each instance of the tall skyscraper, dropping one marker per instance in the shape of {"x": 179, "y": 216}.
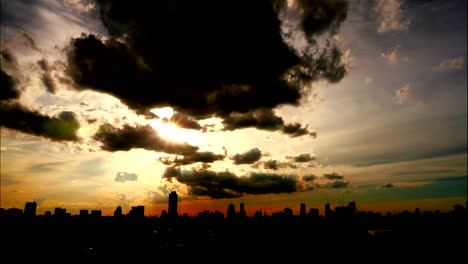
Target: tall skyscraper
{"x": 302, "y": 212}
{"x": 172, "y": 211}
{"x": 231, "y": 212}
{"x": 352, "y": 209}
{"x": 328, "y": 211}
{"x": 30, "y": 209}
{"x": 242, "y": 210}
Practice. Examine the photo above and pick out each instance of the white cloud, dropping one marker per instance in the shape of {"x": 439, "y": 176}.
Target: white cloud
{"x": 392, "y": 57}
{"x": 450, "y": 64}
{"x": 368, "y": 80}
{"x": 393, "y": 17}
{"x": 402, "y": 94}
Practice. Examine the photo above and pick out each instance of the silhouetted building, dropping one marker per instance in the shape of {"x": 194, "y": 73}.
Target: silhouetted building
{"x": 288, "y": 212}
{"x": 242, "y": 210}
{"x": 258, "y": 214}
{"x": 328, "y": 211}
{"x": 118, "y": 211}
{"x": 352, "y": 209}
{"x": 137, "y": 211}
{"x": 30, "y": 209}
{"x": 14, "y": 212}
{"x": 314, "y": 213}
{"x": 48, "y": 213}
{"x": 231, "y": 212}
{"x": 172, "y": 210}
{"x": 96, "y": 213}
{"x": 302, "y": 211}
{"x": 84, "y": 213}
{"x": 60, "y": 211}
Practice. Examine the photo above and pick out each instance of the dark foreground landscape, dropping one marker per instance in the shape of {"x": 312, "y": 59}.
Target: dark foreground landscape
{"x": 341, "y": 234}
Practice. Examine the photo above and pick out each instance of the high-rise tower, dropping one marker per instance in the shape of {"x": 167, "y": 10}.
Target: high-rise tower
{"x": 172, "y": 211}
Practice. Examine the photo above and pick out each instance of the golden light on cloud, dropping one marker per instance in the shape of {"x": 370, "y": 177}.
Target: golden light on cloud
{"x": 171, "y": 132}
{"x": 163, "y": 112}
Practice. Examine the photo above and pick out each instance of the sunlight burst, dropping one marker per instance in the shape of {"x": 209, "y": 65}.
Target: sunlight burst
{"x": 171, "y": 132}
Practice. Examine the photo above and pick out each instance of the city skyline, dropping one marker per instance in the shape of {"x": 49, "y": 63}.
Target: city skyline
{"x": 267, "y": 103}
{"x": 171, "y": 210}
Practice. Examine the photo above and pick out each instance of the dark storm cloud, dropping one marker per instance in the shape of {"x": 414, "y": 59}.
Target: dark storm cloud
{"x": 322, "y": 16}
{"x": 227, "y": 185}
{"x": 333, "y": 176}
{"x": 8, "y": 88}
{"x": 61, "y": 128}
{"x": 305, "y": 157}
{"x": 145, "y": 137}
{"x": 125, "y": 176}
{"x": 205, "y": 157}
{"x": 184, "y": 121}
{"x": 170, "y": 53}
{"x": 386, "y": 186}
{"x": 248, "y": 157}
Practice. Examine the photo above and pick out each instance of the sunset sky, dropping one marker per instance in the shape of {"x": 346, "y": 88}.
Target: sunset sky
{"x": 271, "y": 103}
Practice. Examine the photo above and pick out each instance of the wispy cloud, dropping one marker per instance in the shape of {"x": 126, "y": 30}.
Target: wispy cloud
{"x": 402, "y": 94}
{"x": 80, "y": 5}
{"x": 393, "y": 16}
{"x": 450, "y": 64}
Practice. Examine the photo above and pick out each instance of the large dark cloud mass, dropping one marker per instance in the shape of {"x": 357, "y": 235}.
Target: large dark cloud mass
{"x": 206, "y": 58}
{"x": 61, "y": 128}
{"x": 248, "y": 157}
{"x": 227, "y": 185}
{"x": 8, "y": 88}
{"x": 145, "y": 137}
{"x": 264, "y": 119}
{"x": 321, "y": 16}
{"x": 13, "y": 115}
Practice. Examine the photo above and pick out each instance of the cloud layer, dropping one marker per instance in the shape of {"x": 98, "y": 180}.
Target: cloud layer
{"x": 219, "y": 185}
{"x": 145, "y": 137}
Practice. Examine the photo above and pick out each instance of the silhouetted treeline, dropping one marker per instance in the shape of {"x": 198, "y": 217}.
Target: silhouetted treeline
{"x": 339, "y": 234}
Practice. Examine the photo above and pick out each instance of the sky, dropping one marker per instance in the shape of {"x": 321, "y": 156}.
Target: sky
{"x": 267, "y": 103}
